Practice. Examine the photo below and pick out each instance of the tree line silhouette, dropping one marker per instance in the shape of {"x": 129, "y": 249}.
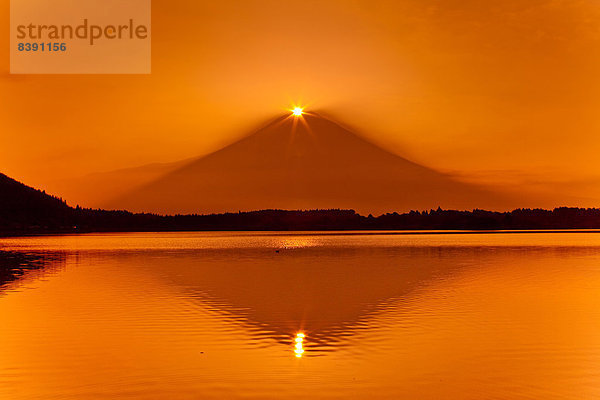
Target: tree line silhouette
{"x": 24, "y": 210}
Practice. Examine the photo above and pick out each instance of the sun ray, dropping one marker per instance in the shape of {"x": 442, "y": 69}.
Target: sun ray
{"x": 311, "y": 133}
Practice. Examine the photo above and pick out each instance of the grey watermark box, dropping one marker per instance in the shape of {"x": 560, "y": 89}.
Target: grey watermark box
{"x": 80, "y": 37}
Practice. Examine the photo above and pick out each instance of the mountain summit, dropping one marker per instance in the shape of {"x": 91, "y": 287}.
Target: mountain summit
{"x": 303, "y": 162}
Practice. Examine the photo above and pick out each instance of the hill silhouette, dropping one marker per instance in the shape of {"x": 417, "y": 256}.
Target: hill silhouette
{"x": 23, "y": 207}
{"x": 310, "y": 162}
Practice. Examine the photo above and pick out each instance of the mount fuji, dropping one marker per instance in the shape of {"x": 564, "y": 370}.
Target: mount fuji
{"x": 305, "y": 162}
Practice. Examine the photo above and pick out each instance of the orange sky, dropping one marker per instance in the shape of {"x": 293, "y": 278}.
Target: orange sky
{"x": 507, "y": 91}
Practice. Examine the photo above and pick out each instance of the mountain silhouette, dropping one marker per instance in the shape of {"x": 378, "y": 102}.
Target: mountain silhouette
{"x": 304, "y": 163}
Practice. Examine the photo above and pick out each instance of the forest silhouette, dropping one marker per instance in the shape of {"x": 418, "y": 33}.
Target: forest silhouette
{"x": 25, "y": 210}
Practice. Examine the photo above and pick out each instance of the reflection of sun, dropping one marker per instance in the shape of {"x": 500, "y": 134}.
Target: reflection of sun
{"x": 297, "y": 111}
{"x": 299, "y": 347}
{"x": 295, "y": 243}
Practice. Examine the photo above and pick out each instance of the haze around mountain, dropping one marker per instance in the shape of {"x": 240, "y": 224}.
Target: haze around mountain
{"x": 305, "y": 162}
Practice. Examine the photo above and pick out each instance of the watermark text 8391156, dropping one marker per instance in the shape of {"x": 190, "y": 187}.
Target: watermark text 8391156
{"x": 42, "y": 46}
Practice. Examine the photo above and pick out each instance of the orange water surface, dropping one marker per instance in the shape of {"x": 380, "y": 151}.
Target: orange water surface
{"x": 301, "y": 316}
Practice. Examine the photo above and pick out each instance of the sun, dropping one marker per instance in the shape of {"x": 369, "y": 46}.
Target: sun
{"x": 297, "y": 111}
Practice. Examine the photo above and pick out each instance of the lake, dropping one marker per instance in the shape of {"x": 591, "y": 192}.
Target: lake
{"x": 308, "y": 315}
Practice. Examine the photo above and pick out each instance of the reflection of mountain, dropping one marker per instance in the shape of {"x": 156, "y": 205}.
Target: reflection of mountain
{"x": 316, "y": 284}
{"x": 306, "y": 163}
{"x": 328, "y": 292}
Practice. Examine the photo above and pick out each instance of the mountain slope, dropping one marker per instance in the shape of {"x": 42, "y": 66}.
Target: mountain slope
{"x": 23, "y": 207}
{"x": 304, "y": 163}
{"x": 95, "y": 190}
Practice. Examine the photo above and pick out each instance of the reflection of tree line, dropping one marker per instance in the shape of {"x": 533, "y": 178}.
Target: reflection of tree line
{"x": 16, "y": 265}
